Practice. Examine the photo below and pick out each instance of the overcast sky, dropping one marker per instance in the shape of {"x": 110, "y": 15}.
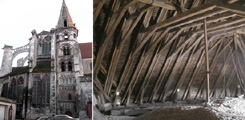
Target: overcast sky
{"x": 20, "y": 17}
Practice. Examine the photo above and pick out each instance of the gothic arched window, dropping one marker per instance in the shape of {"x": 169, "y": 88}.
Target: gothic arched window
{"x": 20, "y": 88}
{"x": 66, "y": 50}
{"x": 69, "y": 66}
{"x": 46, "y": 90}
{"x": 46, "y": 48}
{"x": 4, "y": 92}
{"x": 41, "y": 92}
{"x": 63, "y": 67}
{"x": 13, "y": 89}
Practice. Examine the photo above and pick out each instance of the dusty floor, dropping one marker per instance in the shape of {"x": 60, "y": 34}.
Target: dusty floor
{"x": 218, "y": 109}
{"x": 179, "y": 114}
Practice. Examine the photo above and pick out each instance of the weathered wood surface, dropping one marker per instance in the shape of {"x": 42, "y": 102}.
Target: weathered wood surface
{"x": 146, "y": 50}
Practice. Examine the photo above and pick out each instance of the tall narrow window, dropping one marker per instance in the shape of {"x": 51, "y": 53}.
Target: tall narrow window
{"x": 69, "y": 66}
{"x": 91, "y": 67}
{"x": 45, "y": 48}
{"x": 64, "y": 51}
{"x": 5, "y": 90}
{"x": 49, "y": 48}
{"x": 13, "y": 89}
{"x": 41, "y": 92}
{"x": 63, "y": 67}
{"x": 65, "y": 23}
{"x": 68, "y": 51}
{"x": 69, "y": 97}
{"x": 42, "y": 48}
{"x": 57, "y": 37}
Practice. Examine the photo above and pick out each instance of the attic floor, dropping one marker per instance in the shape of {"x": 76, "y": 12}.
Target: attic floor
{"x": 218, "y": 109}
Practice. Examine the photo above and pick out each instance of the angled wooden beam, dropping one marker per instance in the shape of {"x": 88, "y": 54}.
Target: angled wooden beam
{"x": 103, "y": 70}
{"x": 146, "y": 79}
{"x": 163, "y": 72}
{"x": 99, "y": 86}
{"x": 194, "y": 74}
{"x": 228, "y": 82}
{"x": 195, "y": 3}
{"x": 190, "y": 38}
{"x": 221, "y": 74}
{"x": 234, "y": 7}
{"x": 115, "y": 11}
{"x": 183, "y": 16}
{"x": 134, "y": 79}
{"x": 160, "y": 3}
{"x": 98, "y": 9}
{"x": 210, "y": 19}
{"x": 239, "y": 72}
{"x": 168, "y": 43}
{"x": 219, "y": 26}
{"x": 139, "y": 67}
{"x": 102, "y": 48}
{"x": 184, "y": 72}
{"x": 157, "y": 85}
{"x": 163, "y": 34}
{"x": 117, "y": 52}
{"x": 171, "y": 76}
{"x": 162, "y": 16}
{"x": 213, "y": 63}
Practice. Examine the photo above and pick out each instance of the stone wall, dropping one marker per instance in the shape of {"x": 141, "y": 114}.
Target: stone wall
{"x": 86, "y": 65}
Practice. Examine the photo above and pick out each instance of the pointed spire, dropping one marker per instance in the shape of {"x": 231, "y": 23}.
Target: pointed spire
{"x": 65, "y": 18}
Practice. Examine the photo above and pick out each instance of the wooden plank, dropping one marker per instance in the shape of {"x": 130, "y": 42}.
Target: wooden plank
{"x": 213, "y": 63}
{"x": 102, "y": 48}
{"x": 197, "y": 20}
{"x": 98, "y": 9}
{"x": 193, "y": 76}
{"x": 99, "y": 86}
{"x": 218, "y": 26}
{"x": 163, "y": 72}
{"x": 210, "y": 19}
{"x": 134, "y": 79}
{"x": 186, "y": 42}
{"x": 234, "y": 7}
{"x": 103, "y": 70}
{"x": 239, "y": 72}
{"x": 198, "y": 66}
{"x": 146, "y": 79}
{"x": 230, "y": 79}
{"x": 157, "y": 85}
{"x": 206, "y": 61}
{"x": 171, "y": 76}
{"x": 180, "y": 17}
{"x": 184, "y": 72}
{"x": 159, "y": 3}
{"x": 117, "y": 53}
{"x": 221, "y": 74}
{"x": 157, "y": 41}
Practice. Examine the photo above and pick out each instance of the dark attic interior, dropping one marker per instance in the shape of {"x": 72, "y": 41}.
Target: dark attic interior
{"x": 169, "y": 55}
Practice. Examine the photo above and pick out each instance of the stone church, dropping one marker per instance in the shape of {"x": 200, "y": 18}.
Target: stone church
{"x": 57, "y": 79}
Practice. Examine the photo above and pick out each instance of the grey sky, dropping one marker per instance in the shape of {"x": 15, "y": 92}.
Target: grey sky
{"x": 19, "y": 17}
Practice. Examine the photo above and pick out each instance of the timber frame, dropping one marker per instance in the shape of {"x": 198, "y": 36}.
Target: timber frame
{"x": 154, "y": 50}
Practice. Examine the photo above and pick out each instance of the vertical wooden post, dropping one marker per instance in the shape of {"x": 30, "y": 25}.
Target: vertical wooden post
{"x": 206, "y": 59}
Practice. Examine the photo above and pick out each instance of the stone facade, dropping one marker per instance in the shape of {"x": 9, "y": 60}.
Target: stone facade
{"x": 57, "y": 79}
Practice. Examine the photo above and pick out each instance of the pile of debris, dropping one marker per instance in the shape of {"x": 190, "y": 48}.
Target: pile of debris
{"x": 229, "y": 108}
